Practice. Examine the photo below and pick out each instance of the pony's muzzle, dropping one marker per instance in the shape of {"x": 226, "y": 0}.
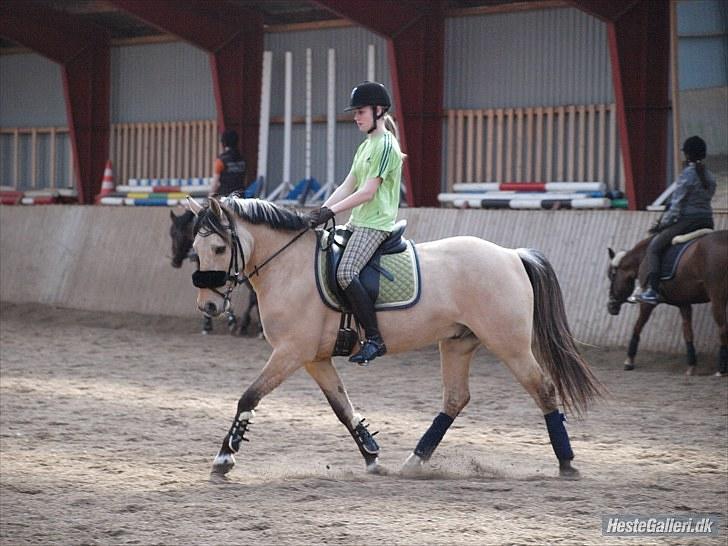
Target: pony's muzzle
{"x": 613, "y": 307}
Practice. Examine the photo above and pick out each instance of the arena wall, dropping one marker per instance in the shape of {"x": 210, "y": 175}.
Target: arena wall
{"x": 116, "y": 260}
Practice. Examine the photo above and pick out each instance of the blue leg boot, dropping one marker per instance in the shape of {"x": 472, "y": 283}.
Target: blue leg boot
{"x": 561, "y": 444}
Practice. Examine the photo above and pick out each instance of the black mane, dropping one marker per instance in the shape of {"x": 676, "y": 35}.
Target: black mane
{"x": 255, "y": 211}
{"x": 258, "y": 211}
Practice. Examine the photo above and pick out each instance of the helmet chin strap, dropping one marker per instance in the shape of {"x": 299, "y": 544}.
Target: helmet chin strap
{"x": 375, "y": 117}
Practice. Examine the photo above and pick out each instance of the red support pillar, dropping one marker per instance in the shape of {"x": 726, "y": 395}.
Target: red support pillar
{"x": 237, "y": 76}
{"x": 415, "y": 38}
{"x": 83, "y": 52}
{"x": 86, "y": 85}
{"x": 416, "y": 55}
{"x": 233, "y": 37}
{"x": 639, "y": 47}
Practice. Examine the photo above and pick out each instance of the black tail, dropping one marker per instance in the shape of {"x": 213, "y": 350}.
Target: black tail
{"x": 554, "y": 344}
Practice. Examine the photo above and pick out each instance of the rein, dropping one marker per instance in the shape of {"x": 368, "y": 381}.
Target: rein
{"x": 257, "y": 268}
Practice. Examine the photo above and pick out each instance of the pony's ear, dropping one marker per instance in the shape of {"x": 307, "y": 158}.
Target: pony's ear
{"x": 172, "y": 215}
{"x": 195, "y": 207}
{"x": 611, "y": 253}
{"x": 215, "y": 207}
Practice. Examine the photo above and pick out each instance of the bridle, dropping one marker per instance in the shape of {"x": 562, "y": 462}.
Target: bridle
{"x": 234, "y": 276}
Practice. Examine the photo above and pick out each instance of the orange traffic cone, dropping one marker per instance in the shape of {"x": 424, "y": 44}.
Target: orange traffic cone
{"x": 107, "y": 183}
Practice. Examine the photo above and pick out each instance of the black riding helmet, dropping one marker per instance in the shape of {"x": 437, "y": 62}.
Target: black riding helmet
{"x": 370, "y": 94}
{"x": 694, "y": 148}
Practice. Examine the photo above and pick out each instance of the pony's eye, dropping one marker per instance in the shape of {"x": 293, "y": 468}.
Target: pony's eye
{"x": 219, "y": 250}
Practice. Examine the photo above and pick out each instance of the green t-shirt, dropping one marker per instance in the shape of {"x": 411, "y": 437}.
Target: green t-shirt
{"x": 381, "y": 157}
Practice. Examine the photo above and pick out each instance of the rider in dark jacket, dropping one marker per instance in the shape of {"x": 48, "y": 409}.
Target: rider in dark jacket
{"x": 229, "y": 167}
{"x": 689, "y": 210}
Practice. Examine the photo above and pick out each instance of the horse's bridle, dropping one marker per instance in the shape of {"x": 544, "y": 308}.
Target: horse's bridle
{"x": 234, "y": 276}
{"x": 215, "y": 278}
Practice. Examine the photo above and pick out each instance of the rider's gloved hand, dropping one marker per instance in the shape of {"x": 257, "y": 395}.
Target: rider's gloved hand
{"x": 320, "y": 216}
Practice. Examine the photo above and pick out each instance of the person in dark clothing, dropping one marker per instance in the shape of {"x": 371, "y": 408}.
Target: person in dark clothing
{"x": 689, "y": 210}
{"x": 229, "y": 170}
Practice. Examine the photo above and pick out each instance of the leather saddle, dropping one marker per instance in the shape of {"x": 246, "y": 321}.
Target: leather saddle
{"x": 671, "y": 258}
{"x": 395, "y": 262}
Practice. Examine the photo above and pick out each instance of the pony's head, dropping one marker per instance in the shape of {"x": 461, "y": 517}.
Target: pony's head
{"x": 224, "y": 243}
{"x": 622, "y": 273}
{"x": 221, "y": 250}
{"x": 181, "y": 233}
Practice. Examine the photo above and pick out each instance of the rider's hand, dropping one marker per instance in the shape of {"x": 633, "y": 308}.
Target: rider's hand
{"x": 320, "y": 216}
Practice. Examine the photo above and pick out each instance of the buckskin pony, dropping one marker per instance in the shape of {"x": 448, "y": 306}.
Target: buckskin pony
{"x": 473, "y": 293}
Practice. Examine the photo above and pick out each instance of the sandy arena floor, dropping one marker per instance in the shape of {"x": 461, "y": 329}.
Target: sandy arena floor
{"x": 109, "y": 423}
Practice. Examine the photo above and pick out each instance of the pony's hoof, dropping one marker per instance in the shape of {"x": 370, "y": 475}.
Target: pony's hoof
{"x": 721, "y": 374}
{"x": 628, "y": 366}
{"x": 377, "y": 469}
{"x": 413, "y": 466}
{"x": 223, "y": 463}
{"x": 568, "y": 472}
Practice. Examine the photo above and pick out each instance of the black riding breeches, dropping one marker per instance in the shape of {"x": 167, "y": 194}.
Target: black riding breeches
{"x": 663, "y": 240}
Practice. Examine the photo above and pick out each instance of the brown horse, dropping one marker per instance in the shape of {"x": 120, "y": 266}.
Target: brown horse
{"x": 473, "y": 293}
{"x": 700, "y": 278}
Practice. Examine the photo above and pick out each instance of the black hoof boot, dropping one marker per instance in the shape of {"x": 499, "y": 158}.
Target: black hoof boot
{"x": 366, "y": 443}
{"x": 371, "y": 349}
{"x": 237, "y": 431}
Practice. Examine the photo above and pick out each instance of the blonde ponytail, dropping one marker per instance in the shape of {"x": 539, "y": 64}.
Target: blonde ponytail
{"x": 391, "y": 126}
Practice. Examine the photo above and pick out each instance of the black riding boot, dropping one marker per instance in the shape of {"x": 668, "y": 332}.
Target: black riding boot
{"x": 363, "y": 308}
{"x": 651, "y": 295}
